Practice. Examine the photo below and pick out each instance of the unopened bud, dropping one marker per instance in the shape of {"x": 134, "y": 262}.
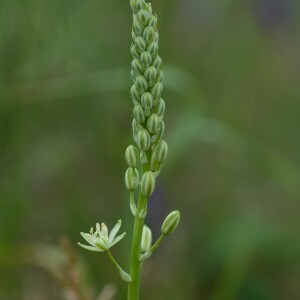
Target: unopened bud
{"x": 161, "y": 130}
{"x": 131, "y": 179}
{"x": 134, "y": 5}
{"x": 141, "y": 43}
{"x": 134, "y": 51}
{"x": 160, "y": 77}
{"x": 146, "y": 59}
{"x": 132, "y": 156}
{"x": 137, "y": 27}
{"x": 152, "y": 21}
{"x": 147, "y": 184}
{"x": 146, "y": 241}
{"x": 150, "y": 75}
{"x": 153, "y": 123}
{"x": 149, "y": 34}
{"x": 134, "y": 93}
{"x": 141, "y": 83}
{"x": 137, "y": 66}
{"x": 157, "y": 90}
{"x": 171, "y": 222}
{"x": 153, "y": 48}
{"x": 143, "y": 16}
{"x": 143, "y": 140}
{"x": 157, "y": 62}
{"x": 160, "y": 107}
{"x": 138, "y": 113}
{"x": 161, "y": 151}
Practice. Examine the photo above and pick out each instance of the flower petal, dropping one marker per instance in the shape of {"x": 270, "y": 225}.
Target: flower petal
{"x": 89, "y": 247}
{"x": 117, "y": 239}
{"x": 114, "y": 231}
{"x": 88, "y": 237}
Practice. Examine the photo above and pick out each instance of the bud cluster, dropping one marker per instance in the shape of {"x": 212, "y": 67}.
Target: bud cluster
{"x": 146, "y": 93}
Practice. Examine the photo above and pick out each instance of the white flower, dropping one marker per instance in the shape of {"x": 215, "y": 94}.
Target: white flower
{"x": 100, "y": 240}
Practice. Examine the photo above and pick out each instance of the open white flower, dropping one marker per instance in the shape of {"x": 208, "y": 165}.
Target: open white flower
{"x": 100, "y": 240}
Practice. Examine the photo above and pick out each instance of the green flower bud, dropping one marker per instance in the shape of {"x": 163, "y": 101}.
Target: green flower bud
{"x": 171, "y": 222}
{"x": 141, "y": 83}
{"x": 154, "y": 164}
{"x": 146, "y": 241}
{"x": 131, "y": 179}
{"x": 150, "y": 75}
{"x": 143, "y": 140}
{"x": 153, "y": 123}
{"x": 156, "y": 38}
{"x": 137, "y": 67}
{"x": 137, "y": 27}
{"x": 160, "y": 77}
{"x": 157, "y": 62}
{"x": 134, "y": 93}
{"x": 132, "y": 156}
{"x": 149, "y": 34}
{"x": 134, "y": 5}
{"x": 147, "y": 102}
{"x": 146, "y": 59}
{"x": 153, "y": 48}
{"x": 152, "y": 21}
{"x": 136, "y": 127}
{"x": 132, "y": 75}
{"x": 143, "y": 16}
{"x": 138, "y": 113}
{"x": 134, "y": 51}
{"x": 148, "y": 8}
{"x": 161, "y": 151}
{"x": 141, "y": 43}
{"x": 147, "y": 184}
{"x": 157, "y": 90}
{"x": 159, "y": 108}
{"x": 161, "y": 130}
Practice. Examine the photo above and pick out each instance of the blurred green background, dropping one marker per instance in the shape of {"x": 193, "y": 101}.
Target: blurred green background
{"x": 232, "y": 90}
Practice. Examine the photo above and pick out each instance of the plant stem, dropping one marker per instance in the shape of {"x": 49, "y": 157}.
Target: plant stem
{"x": 135, "y": 264}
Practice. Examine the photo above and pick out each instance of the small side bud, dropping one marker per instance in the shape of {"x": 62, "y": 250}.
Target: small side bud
{"x": 134, "y": 5}
{"x": 159, "y": 109}
{"x": 147, "y": 184}
{"x": 157, "y": 90}
{"x": 137, "y": 67}
{"x": 171, "y": 222}
{"x": 137, "y": 27}
{"x": 141, "y": 43}
{"x": 152, "y": 21}
{"x": 131, "y": 179}
{"x": 134, "y": 93}
{"x": 149, "y": 34}
{"x": 143, "y": 16}
{"x": 146, "y": 59}
{"x": 153, "y": 123}
{"x": 153, "y": 48}
{"x": 134, "y": 51}
{"x": 132, "y": 156}
{"x": 161, "y": 151}
{"x": 157, "y": 62}
{"x": 141, "y": 83}
{"x": 146, "y": 239}
{"x": 147, "y": 101}
{"x": 151, "y": 75}
{"x": 160, "y": 77}
{"x": 138, "y": 114}
{"x": 143, "y": 140}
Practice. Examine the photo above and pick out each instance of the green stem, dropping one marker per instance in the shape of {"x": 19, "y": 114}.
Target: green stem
{"x": 135, "y": 264}
{"x": 156, "y": 244}
{"x": 125, "y": 276}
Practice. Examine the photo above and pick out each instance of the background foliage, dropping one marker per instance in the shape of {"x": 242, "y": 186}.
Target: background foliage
{"x": 232, "y": 92}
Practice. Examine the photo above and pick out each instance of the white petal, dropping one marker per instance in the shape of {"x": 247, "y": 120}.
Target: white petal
{"x": 88, "y": 238}
{"x": 117, "y": 239}
{"x": 114, "y": 231}
{"x": 89, "y": 247}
